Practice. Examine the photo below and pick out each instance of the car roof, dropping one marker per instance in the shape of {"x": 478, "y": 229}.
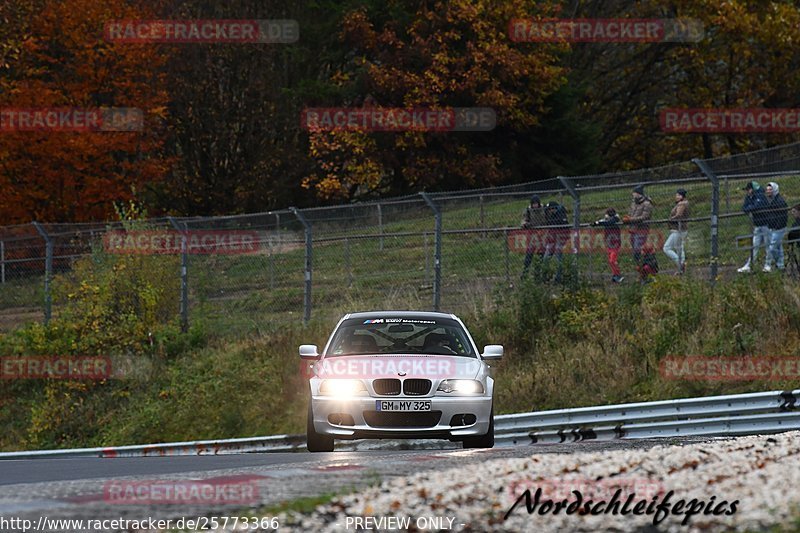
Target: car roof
{"x": 401, "y": 314}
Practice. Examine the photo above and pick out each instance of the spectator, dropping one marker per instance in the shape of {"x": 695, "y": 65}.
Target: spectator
{"x": 613, "y": 241}
{"x": 794, "y": 241}
{"x": 557, "y": 235}
{"x": 533, "y": 218}
{"x": 755, "y": 203}
{"x": 638, "y": 218}
{"x": 794, "y": 233}
{"x": 674, "y": 247}
{"x": 649, "y": 266}
{"x": 777, "y": 215}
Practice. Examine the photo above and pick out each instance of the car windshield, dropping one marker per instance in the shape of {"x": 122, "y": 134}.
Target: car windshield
{"x": 389, "y": 335}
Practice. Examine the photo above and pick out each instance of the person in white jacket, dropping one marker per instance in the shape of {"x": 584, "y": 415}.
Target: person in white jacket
{"x": 678, "y": 230}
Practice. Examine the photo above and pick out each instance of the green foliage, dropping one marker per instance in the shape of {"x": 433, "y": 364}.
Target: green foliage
{"x": 117, "y": 301}
{"x": 567, "y": 348}
{"x": 107, "y": 305}
{"x": 581, "y": 313}
{"x": 229, "y": 389}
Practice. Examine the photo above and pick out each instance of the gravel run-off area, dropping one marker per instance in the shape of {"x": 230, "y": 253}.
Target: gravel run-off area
{"x": 743, "y": 484}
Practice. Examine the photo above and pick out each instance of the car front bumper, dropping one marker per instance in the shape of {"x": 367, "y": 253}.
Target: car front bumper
{"x": 366, "y": 424}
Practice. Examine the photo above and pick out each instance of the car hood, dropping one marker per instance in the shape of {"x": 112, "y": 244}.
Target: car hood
{"x": 397, "y": 365}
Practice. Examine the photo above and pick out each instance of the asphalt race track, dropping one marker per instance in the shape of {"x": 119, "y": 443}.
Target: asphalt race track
{"x": 79, "y": 488}
{"x": 51, "y": 470}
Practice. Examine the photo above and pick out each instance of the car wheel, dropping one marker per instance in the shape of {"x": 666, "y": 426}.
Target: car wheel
{"x": 314, "y": 441}
{"x": 482, "y": 441}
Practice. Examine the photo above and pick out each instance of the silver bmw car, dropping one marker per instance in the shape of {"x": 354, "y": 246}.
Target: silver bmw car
{"x": 400, "y": 374}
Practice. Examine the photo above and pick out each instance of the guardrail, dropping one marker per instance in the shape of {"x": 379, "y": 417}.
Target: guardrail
{"x": 276, "y": 443}
{"x": 735, "y": 414}
{"x": 730, "y": 415}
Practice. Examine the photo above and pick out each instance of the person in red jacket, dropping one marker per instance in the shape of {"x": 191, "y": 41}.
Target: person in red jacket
{"x": 613, "y": 240}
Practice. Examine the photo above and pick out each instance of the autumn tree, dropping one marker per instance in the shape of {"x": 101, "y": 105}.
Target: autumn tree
{"x": 14, "y": 31}
{"x": 747, "y": 58}
{"x": 439, "y": 54}
{"x": 63, "y": 61}
{"x": 235, "y": 109}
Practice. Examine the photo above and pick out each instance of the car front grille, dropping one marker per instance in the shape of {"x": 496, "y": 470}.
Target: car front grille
{"x": 386, "y": 387}
{"x": 416, "y": 387}
{"x": 388, "y": 419}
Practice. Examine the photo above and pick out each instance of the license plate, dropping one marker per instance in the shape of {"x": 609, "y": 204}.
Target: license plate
{"x": 402, "y": 405}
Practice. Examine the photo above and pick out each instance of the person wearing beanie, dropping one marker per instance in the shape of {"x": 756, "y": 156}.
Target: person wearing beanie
{"x": 755, "y": 205}
{"x": 678, "y": 230}
{"x": 610, "y": 223}
{"x": 638, "y": 220}
{"x": 533, "y": 219}
{"x": 557, "y": 236}
{"x": 777, "y": 216}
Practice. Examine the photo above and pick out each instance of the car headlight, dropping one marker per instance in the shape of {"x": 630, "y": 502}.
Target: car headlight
{"x": 464, "y": 386}
{"x": 342, "y": 387}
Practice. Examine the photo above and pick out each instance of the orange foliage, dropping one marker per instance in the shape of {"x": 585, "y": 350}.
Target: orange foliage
{"x": 66, "y": 63}
{"x": 445, "y": 54}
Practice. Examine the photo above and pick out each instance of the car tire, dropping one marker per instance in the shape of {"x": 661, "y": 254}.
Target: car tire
{"x": 316, "y": 442}
{"x": 482, "y": 441}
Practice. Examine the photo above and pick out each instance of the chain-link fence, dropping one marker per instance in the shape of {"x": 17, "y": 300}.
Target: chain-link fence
{"x": 448, "y": 251}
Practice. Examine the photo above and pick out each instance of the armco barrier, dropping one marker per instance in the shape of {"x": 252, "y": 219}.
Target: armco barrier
{"x": 730, "y": 415}
{"x": 735, "y": 414}
{"x": 276, "y": 443}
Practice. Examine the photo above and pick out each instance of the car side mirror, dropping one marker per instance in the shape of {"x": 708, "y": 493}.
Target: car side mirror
{"x": 308, "y": 351}
{"x": 492, "y": 351}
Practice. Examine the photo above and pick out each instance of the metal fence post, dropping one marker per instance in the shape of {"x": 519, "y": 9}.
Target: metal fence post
{"x": 727, "y": 195}
{"x": 184, "y": 273}
{"x": 272, "y": 237}
{"x": 48, "y": 272}
{"x": 271, "y": 263}
{"x": 576, "y": 217}
{"x": 706, "y": 170}
{"x": 348, "y": 267}
{"x": 427, "y": 258}
{"x": 482, "y": 217}
{"x": 437, "y": 251}
{"x": 2, "y": 261}
{"x": 506, "y": 255}
{"x": 380, "y": 226}
{"x": 308, "y": 268}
